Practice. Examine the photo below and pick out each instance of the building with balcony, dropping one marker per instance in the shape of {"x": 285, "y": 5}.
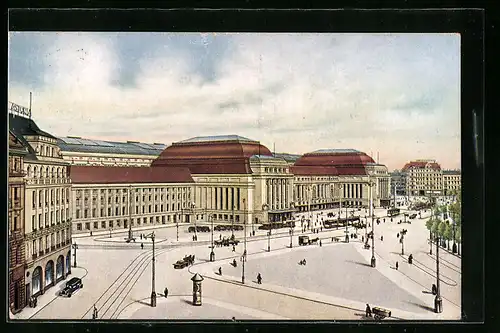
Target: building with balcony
{"x": 47, "y": 214}
{"x": 16, "y": 248}
{"x": 452, "y": 182}
{"x": 88, "y": 152}
{"x": 423, "y": 177}
{"x": 111, "y": 198}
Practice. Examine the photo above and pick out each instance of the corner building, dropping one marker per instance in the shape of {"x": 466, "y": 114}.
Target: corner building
{"x": 423, "y": 177}
{"x": 47, "y": 217}
{"x": 16, "y": 249}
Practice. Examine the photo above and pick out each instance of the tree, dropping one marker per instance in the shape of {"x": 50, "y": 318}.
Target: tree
{"x": 458, "y": 238}
{"x": 429, "y": 223}
{"x": 448, "y": 234}
{"x": 441, "y": 230}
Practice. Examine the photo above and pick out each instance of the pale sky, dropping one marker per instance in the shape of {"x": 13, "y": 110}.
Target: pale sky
{"x": 395, "y": 94}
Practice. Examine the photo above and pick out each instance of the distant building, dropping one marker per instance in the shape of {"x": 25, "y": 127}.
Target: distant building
{"x": 423, "y": 177}
{"x": 17, "y": 253}
{"x": 88, "y": 152}
{"x": 398, "y": 182}
{"x": 47, "y": 216}
{"x": 452, "y": 181}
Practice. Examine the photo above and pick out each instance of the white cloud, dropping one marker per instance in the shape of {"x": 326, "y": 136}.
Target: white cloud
{"x": 303, "y": 92}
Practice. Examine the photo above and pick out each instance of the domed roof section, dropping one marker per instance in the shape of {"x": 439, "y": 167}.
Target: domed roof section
{"x": 332, "y": 162}
{"x": 224, "y": 154}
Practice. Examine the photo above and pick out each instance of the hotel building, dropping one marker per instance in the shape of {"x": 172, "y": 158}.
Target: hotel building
{"x": 47, "y": 215}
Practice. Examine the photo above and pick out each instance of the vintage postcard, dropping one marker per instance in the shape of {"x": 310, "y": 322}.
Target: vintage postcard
{"x": 234, "y": 176}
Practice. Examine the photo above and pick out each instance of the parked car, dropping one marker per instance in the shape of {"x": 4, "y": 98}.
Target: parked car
{"x": 71, "y": 286}
{"x": 181, "y": 264}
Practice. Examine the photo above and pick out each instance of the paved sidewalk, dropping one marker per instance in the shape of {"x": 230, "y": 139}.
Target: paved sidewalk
{"x": 50, "y": 295}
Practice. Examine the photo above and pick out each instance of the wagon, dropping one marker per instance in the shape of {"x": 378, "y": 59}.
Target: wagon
{"x": 380, "y": 313}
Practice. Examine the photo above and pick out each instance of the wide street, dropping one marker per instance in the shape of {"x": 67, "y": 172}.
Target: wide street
{"x": 335, "y": 284}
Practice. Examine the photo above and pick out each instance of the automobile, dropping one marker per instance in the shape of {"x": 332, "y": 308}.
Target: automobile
{"x": 71, "y": 286}
{"x": 180, "y": 264}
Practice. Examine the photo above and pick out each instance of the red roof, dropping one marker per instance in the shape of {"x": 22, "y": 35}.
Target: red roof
{"x": 117, "y": 175}
{"x": 321, "y": 164}
{"x": 228, "y": 157}
{"x": 421, "y": 165}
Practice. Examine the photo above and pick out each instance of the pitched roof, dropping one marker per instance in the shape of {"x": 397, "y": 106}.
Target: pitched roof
{"x": 77, "y": 144}
{"x": 128, "y": 175}
{"x": 421, "y": 165}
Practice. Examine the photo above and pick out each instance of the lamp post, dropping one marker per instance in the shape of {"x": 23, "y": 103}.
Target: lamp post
{"x": 265, "y": 207}
{"x": 193, "y": 206}
{"x": 402, "y": 242}
{"x": 177, "y": 226}
{"x": 75, "y": 247}
{"x": 373, "y": 260}
{"x": 245, "y": 243}
{"x": 438, "y": 302}
{"x": 212, "y": 254}
{"x": 130, "y": 235}
{"x": 153, "y": 292}
{"x": 232, "y": 223}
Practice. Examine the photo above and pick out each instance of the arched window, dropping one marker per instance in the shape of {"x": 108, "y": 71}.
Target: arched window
{"x": 36, "y": 280}
{"x": 35, "y": 172}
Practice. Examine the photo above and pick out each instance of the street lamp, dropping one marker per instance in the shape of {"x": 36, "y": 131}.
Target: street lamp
{"x": 292, "y": 224}
{"x": 75, "y": 247}
{"x": 373, "y": 260}
{"x": 153, "y": 292}
{"x": 193, "y": 206}
{"x": 403, "y": 232}
{"x": 177, "y": 225}
{"x": 232, "y": 223}
{"x": 245, "y": 243}
{"x": 212, "y": 254}
{"x": 130, "y": 235}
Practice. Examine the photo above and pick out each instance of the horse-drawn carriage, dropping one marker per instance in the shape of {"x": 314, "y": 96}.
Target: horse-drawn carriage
{"x": 380, "y": 313}
{"x": 304, "y": 240}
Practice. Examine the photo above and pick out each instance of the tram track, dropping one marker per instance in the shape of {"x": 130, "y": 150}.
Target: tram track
{"x": 447, "y": 263}
{"x": 426, "y": 288}
{"x": 122, "y": 284}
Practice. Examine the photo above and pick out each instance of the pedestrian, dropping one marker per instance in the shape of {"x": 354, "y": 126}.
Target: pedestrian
{"x": 320, "y": 243}
{"x": 220, "y": 237}
{"x": 397, "y": 235}
{"x": 141, "y": 236}
{"x": 253, "y": 232}
{"x": 90, "y": 232}
{"x": 259, "y": 279}
{"x": 368, "y": 311}
{"x": 220, "y": 270}
{"x": 95, "y": 313}
{"x": 234, "y": 249}
{"x": 397, "y": 265}
{"x": 381, "y": 238}
{"x": 165, "y": 292}
{"x": 142, "y": 246}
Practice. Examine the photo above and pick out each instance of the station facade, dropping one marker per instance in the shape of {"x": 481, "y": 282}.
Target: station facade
{"x": 111, "y": 198}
